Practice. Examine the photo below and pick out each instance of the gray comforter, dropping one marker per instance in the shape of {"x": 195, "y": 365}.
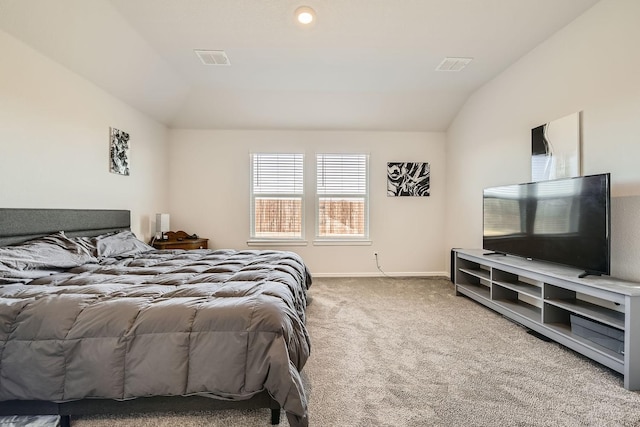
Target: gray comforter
{"x": 224, "y": 324}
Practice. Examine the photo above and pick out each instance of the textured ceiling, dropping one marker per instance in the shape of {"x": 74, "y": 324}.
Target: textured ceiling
{"x": 364, "y": 65}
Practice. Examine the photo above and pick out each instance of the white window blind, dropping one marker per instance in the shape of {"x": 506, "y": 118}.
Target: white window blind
{"x": 342, "y": 191}
{"x": 277, "y": 193}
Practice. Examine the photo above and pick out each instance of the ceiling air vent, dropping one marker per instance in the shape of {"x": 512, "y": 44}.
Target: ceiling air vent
{"x": 453, "y": 64}
{"x": 213, "y": 57}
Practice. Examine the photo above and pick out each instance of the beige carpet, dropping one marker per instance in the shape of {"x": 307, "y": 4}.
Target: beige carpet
{"x": 407, "y": 352}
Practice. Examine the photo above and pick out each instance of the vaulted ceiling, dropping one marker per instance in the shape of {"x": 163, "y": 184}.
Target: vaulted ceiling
{"x": 363, "y": 65}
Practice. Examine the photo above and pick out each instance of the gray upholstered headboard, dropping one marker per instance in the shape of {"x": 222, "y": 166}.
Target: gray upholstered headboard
{"x": 20, "y": 225}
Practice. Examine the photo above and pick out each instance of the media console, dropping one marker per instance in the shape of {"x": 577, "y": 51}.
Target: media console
{"x": 596, "y": 316}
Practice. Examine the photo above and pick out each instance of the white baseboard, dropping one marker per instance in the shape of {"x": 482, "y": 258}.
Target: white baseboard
{"x": 386, "y": 273}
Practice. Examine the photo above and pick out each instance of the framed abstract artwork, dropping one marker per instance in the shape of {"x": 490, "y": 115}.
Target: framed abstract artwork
{"x": 119, "y": 152}
{"x": 555, "y": 149}
{"x": 408, "y": 179}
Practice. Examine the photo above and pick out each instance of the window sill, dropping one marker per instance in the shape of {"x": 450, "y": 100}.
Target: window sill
{"x": 342, "y": 242}
{"x": 276, "y": 242}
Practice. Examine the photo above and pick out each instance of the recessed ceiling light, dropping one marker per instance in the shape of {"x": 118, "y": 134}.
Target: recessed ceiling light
{"x": 305, "y": 15}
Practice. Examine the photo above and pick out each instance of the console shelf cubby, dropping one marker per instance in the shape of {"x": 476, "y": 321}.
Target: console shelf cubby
{"x": 596, "y": 316}
{"x": 475, "y": 279}
{"x": 513, "y": 282}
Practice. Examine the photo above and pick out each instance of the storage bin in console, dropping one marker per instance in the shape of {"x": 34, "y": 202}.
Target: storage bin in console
{"x": 601, "y": 334}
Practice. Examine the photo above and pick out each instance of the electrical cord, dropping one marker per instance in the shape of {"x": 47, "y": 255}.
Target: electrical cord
{"x": 378, "y": 265}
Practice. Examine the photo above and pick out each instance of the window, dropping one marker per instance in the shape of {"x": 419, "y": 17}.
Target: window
{"x": 342, "y": 191}
{"x": 277, "y": 196}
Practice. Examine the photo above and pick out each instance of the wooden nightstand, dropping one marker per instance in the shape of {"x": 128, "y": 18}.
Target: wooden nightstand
{"x": 180, "y": 240}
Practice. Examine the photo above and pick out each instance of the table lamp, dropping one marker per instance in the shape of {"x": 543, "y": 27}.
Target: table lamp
{"x": 162, "y": 225}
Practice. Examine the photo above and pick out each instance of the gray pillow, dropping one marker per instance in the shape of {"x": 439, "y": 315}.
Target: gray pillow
{"x": 41, "y": 257}
{"x": 120, "y": 244}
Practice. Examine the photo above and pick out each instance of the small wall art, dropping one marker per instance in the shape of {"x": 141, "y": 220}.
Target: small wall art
{"x": 555, "y": 149}
{"x": 408, "y": 179}
{"x": 119, "y": 152}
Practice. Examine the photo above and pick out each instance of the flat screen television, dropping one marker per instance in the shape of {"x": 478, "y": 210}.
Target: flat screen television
{"x": 563, "y": 221}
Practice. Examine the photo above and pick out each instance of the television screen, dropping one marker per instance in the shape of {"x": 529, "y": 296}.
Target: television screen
{"x": 564, "y": 221}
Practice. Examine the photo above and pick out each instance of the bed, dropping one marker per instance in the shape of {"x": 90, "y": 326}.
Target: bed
{"x": 94, "y": 321}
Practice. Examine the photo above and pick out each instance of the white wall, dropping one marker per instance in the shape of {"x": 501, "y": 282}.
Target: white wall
{"x": 54, "y": 142}
{"x": 591, "y": 66}
{"x": 210, "y": 195}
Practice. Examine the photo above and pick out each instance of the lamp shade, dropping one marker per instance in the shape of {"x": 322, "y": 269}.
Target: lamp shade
{"x": 162, "y": 222}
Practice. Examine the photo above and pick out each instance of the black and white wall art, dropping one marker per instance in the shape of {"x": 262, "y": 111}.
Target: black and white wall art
{"x": 119, "y": 152}
{"x": 555, "y": 149}
{"x": 408, "y": 179}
